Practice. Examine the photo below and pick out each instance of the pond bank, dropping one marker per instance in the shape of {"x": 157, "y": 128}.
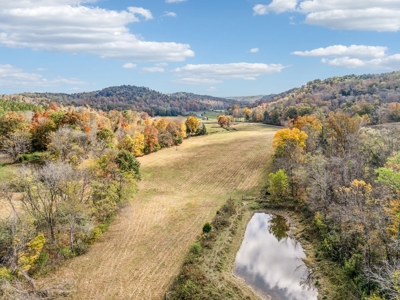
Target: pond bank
{"x": 208, "y": 274}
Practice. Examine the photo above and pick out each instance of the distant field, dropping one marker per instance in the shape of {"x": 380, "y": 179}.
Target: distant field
{"x": 180, "y": 191}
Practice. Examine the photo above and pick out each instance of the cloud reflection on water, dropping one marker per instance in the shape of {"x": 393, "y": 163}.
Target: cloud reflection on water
{"x": 271, "y": 266}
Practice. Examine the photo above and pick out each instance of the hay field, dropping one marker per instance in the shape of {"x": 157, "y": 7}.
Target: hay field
{"x": 180, "y": 191}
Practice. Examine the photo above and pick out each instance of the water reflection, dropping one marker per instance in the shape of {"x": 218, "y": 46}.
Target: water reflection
{"x": 278, "y": 226}
{"x": 270, "y": 262}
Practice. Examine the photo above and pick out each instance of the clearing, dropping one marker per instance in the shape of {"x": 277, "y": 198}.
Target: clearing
{"x": 180, "y": 191}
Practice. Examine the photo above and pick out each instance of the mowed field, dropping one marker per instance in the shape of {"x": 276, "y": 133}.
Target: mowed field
{"x": 180, "y": 190}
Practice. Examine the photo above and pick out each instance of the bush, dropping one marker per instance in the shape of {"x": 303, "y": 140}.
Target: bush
{"x": 207, "y": 228}
{"x": 195, "y": 248}
{"x": 5, "y": 274}
{"x": 29, "y": 157}
{"x": 66, "y": 252}
{"x": 95, "y": 234}
{"x": 43, "y": 259}
{"x": 81, "y": 248}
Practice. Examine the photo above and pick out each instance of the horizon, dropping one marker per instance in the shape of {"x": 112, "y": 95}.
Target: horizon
{"x": 246, "y": 47}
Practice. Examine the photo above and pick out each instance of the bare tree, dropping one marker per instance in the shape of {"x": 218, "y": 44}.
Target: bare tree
{"x": 387, "y": 276}
{"x": 16, "y": 143}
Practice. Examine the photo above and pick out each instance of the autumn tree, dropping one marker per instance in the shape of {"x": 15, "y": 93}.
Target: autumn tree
{"x": 127, "y": 143}
{"x": 107, "y": 136}
{"x": 41, "y": 130}
{"x": 15, "y": 138}
{"x": 192, "y": 123}
{"x": 247, "y": 113}
{"x": 224, "y": 121}
{"x": 150, "y": 139}
{"x": 312, "y": 121}
{"x": 139, "y": 144}
{"x": 343, "y": 132}
{"x": 44, "y": 189}
{"x": 287, "y": 140}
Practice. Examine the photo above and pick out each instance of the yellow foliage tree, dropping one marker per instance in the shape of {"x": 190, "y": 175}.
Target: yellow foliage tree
{"x": 127, "y": 143}
{"x": 247, "y": 113}
{"x": 183, "y": 130}
{"x": 138, "y": 149}
{"x": 312, "y": 121}
{"x": 287, "y": 140}
{"x": 160, "y": 124}
{"x": 34, "y": 248}
{"x": 192, "y": 123}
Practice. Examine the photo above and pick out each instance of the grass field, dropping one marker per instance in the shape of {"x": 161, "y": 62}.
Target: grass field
{"x": 180, "y": 191}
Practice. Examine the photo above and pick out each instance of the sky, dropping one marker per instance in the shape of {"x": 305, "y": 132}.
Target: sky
{"x": 215, "y": 47}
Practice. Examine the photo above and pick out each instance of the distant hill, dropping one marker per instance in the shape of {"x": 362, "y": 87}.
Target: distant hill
{"x": 249, "y": 99}
{"x": 135, "y": 98}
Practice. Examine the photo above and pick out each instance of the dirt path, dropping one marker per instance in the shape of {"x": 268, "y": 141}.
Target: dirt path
{"x": 180, "y": 191}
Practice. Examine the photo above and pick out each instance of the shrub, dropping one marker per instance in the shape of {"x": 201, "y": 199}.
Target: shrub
{"x": 66, "y": 252}
{"x": 29, "y": 157}
{"x": 195, "y": 248}
{"x": 81, "y": 248}
{"x": 5, "y": 274}
{"x": 207, "y": 228}
{"x": 95, "y": 234}
{"x": 43, "y": 259}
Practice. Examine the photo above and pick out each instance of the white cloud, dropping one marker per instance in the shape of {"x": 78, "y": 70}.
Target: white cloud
{"x": 153, "y": 70}
{"x": 254, "y": 50}
{"x": 196, "y": 81}
{"x": 340, "y": 50}
{"x": 41, "y": 69}
{"x": 67, "y": 26}
{"x": 391, "y": 62}
{"x": 174, "y": 1}
{"x": 277, "y": 6}
{"x": 170, "y": 14}
{"x": 129, "y": 66}
{"x": 203, "y": 73}
{"x": 12, "y": 77}
{"x": 375, "y": 15}
{"x": 163, "y": 64}
{"x": 355, "y": 56}
{"x": 211, "y": 89}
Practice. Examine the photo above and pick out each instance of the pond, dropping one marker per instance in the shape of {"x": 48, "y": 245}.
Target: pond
{"x": 271, "y": 262}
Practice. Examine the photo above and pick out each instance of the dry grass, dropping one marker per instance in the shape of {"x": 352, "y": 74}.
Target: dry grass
{"x": 180, "y": 191}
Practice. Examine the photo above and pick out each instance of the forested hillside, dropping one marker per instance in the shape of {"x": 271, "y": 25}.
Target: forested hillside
{"x": 376, "y": 97}
{"x": 134, "y": 98}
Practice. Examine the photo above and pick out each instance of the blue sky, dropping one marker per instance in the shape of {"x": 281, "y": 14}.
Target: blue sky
{"x": 221, "y": 48}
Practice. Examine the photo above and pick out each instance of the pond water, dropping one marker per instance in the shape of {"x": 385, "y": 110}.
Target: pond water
{"x": 270, "y": 262}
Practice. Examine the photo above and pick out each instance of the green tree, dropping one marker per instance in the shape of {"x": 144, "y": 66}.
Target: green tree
{"x": 278, "y": 186}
